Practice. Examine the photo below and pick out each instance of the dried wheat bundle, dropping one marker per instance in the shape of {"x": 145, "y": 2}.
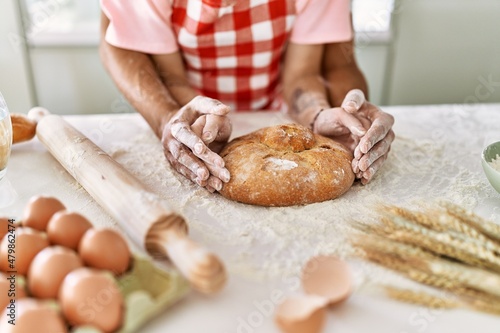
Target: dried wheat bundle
{"x": 444, "y": 247}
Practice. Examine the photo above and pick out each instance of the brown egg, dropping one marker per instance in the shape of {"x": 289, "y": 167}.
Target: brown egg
{"x": 301, "y": 314}
{"x": 67, "y": 228}
{"x": 11, "y": 287}
{"x": 92, "y": 297}
{"x": 31, "y": 316}
{"x": 27, "y": 243}
{"x": 39, "y": 211}
{"x": 4, "y": 226}
{"x": 48, "y": 270}
{"x": 329, "y": 277}
{"x": 105, "y": 249}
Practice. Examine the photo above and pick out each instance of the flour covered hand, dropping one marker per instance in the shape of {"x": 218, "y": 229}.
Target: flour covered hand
{"x": 363, "y": 128}
{"x": 192, "y": 138}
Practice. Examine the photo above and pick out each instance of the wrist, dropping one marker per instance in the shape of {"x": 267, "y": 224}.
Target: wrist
{"x": 164, "y": 120}
{"x": 315, "y": 119}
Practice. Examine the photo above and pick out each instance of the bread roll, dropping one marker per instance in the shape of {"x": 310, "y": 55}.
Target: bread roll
{"x": 286, "y": 165}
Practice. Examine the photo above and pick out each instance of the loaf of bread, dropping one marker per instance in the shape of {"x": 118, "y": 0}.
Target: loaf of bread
{"x": 23, "y": 128}
{"x": 286, "y": 165}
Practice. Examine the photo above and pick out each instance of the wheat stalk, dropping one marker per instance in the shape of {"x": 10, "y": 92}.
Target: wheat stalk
{"x": 440, "y": 220}
{"x": 421, "y": 298}
{"x": 485, "y": 227}
{"x": 413, "y": 262}
{"x": 470, "y": 252}
{"x": 465, "y": 296}
{"x": 440, "y": 302}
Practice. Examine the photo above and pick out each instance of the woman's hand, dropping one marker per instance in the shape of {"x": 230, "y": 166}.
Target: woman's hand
{"x": 193, "y": 137}
{"x": 363, "y": 128}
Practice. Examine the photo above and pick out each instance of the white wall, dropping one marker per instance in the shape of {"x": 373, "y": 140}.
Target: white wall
{"x": 444, "y": 52}
{"x": 72, "y": 80}
{"x": 14, "y": 74}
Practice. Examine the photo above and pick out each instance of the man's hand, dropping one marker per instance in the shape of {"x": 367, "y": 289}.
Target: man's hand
{"x": 193, "y": 137}
{"x": 363, "y": 128}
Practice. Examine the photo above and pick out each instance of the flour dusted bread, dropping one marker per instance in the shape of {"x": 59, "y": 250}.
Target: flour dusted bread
{"x": 286, "y": 165}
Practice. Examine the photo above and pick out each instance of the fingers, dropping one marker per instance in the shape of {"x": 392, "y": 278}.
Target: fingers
{"x": 196, "y": 125}
{"x": 381, "y": 125}
{"x": 185, "y": 134}
{"x": 353, "y": 100}
{"x": 181, "y": 168}
{"x": 207, "y": 105}
{"x": 336, "y": 121}
{"x": 202, "y": 170}
{"x": 381, "y": 148}
{"x": 186, "y": 158}
{"x": 220, "y": 173}
{"x": 214, "y": 183}
{"x": 366, "y": 176}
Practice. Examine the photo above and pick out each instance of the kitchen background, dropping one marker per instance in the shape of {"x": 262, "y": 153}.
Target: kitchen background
{"x": 412, "y": 52}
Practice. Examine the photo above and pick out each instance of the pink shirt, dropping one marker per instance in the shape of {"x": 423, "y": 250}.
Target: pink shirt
{"x": 318, "y": 21}
{"x": 203, "y": 33}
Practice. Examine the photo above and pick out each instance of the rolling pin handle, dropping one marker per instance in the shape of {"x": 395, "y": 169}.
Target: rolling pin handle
{"x": 203, "y": 269}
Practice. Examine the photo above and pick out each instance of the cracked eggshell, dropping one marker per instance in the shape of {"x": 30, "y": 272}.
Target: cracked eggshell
{"x": 328, "y": 277}
{"x": 301, "y": 314}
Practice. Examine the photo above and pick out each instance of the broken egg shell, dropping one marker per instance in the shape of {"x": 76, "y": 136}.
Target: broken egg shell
{"x": 11, "y": 287}
{"x": 39, "y": 211}
{"x": 32, "y": 315}
{"x": 28, "y": 242}
{"x": 105, "y": 249}
{"x": 92, "y": 297}
{"x": 328, "y": 277}
{"x": 67, "y": 229}
{"x": 301, "y": 314}
{"x": 48, "y": 270}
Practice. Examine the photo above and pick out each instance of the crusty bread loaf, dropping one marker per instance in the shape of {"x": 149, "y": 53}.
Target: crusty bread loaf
{"x": 286, "y": 165}
{"x": 23, "y": 128}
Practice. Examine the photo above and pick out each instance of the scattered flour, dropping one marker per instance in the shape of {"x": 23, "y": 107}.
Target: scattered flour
{"x": 495, "y": 163}
{"x": 263, "y": 243}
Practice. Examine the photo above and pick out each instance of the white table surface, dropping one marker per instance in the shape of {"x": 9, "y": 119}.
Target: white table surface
{"x": 455, "y": 135}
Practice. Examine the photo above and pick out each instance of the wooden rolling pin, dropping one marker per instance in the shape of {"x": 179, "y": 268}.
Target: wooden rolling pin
{"x": 144, "y": 216}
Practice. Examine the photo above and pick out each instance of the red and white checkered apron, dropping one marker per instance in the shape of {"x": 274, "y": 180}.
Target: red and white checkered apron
{"x": 234, "y": 53}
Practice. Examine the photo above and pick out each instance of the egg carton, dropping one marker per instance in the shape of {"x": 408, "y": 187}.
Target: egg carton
{"x": 147, "y": 292}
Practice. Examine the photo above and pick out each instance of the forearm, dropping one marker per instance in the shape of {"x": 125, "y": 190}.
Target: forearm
{"x": 306, "y": 97}
{"x": 303, "y": 87}
{"x": 341, "y": 72}
{"x": 135, "y": 76}
{"x": 341, "y": 80}
{"x": 151, "y": 89}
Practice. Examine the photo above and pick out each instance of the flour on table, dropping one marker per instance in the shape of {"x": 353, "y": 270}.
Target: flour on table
{"x": 270, "y": 242}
